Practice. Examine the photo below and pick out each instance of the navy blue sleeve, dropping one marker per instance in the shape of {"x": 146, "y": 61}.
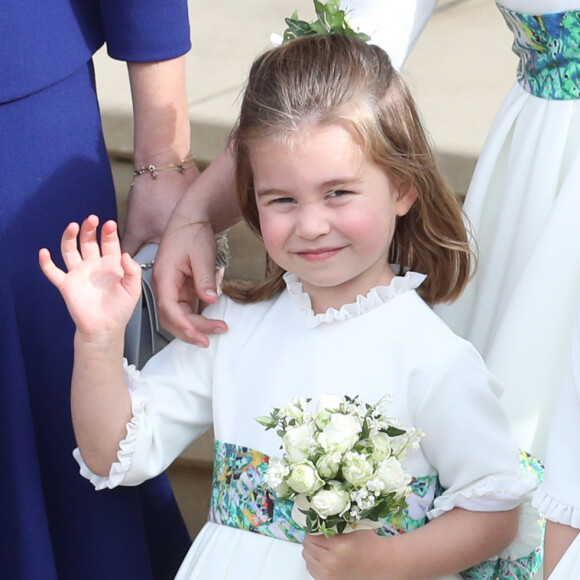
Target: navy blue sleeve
{"x": 146, "y": 30}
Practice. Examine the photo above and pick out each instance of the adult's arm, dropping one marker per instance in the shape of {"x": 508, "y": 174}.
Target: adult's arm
{"x": 153, "y": 37}
{"x": 185, "y": 266}
{"x": 161, "y": 137}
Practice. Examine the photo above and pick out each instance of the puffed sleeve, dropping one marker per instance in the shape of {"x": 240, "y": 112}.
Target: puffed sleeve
{"x": 397, "y": 23}
{"x": 559, "y": 496}
{"x": 146, "y": 30}
{"x": 171, "y": 399}
{"x": 469, "y": 443}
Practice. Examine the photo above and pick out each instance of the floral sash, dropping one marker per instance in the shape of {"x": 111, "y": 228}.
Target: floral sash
{"x": 240, "y": 499}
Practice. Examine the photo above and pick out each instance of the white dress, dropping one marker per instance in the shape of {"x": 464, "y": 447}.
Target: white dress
{"x": 524, "y": 203}
{"x": 395, "y": 24}
{"x": 388, "y": 341}
{"x": 559, "y": 496}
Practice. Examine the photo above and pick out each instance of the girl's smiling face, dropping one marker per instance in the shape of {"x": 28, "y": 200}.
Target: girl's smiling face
{"x": 327, "y": 213}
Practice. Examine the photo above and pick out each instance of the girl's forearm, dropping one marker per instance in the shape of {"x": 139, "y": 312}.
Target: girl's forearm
{"x": 100, "y": 402}
{"x": 557, "y": 541}
{"x": 453, "y": 542}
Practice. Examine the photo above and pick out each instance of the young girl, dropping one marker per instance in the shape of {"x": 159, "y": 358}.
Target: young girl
{"x": 335, "y": 174}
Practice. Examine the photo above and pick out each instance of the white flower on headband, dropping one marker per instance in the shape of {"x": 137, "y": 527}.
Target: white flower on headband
{"x": 276, "y": 39}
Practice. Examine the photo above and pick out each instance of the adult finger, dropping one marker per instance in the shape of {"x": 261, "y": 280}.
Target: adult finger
{"x": 179, "y": 313}
{"x": 202, "y": 263}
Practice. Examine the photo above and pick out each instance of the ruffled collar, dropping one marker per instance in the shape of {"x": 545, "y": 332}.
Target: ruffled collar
{"x": 376, "y": 297}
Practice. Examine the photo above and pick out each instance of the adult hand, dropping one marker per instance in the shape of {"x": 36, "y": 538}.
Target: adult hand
{"x": 185, "y": 265}
{"x": 187, "y": 254}
{"x": 150, "y": 204}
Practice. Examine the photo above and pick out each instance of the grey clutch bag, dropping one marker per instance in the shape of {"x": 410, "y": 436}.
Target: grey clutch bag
{"x": 144, "y": 336}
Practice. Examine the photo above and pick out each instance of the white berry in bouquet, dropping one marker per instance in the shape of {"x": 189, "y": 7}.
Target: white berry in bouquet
{"x": 341, "y": 465}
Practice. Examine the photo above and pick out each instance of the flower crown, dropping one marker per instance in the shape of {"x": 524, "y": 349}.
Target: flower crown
{"x": 330, "y": 19}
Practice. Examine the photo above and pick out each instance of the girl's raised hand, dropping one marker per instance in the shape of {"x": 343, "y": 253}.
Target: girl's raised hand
{"x": 101, "y": 286}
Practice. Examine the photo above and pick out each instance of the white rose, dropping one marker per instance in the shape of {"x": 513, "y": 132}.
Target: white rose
{"x": 391, "y": 472}
{"x": 341, "y": 433}
{"x": 328, "y": 465}
{"x": 381, "y": 443}
{"x": 330, "y": 502}
{"x": 357, "y": 469}
{"x": 304, "y": 478}
{"x": 282, "y": 490}
{"x": 326, "y": 405}
{"x": 298, "y": 441}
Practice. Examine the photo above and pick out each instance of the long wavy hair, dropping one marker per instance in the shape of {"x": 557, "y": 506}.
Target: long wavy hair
{"x": 340, "y": 80}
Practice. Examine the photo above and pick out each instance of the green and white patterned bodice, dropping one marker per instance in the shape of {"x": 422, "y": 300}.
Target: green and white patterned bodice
{"x": 548, "y": 46}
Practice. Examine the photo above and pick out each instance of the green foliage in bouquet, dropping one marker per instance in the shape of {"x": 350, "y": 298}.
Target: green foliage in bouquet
{"x": 330, "y": 19}
{"x": 341, "y": 464}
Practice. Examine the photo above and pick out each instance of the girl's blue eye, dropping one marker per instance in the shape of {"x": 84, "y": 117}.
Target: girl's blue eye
{"x": 338, "y": 193}
{"x": 282, "y": 200}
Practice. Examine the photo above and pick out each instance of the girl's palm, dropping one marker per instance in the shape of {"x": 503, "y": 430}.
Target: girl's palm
{"x": 102, "y": 286}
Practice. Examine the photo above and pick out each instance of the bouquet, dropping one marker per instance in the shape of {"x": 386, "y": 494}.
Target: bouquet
{"x": 341, "y": 464}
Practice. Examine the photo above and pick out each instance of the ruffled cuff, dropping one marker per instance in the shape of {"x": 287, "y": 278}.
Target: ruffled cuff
{"x": 494, "y": 493}
{"x": 500, "y": 493}
{"x": 120, "y": 468}
{"x": 555, "y": 510}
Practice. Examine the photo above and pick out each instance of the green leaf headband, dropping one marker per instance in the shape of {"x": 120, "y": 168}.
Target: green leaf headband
{"x": 330, "y": 19}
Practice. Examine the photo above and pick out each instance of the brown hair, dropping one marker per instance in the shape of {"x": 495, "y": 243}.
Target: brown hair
{"x": 341, "y": 80}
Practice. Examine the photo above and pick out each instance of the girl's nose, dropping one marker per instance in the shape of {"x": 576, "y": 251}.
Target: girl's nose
{"x": 312, "y": 222}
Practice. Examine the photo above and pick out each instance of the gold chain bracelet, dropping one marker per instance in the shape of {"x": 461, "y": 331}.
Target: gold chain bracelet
{"x": 153, "y": 170}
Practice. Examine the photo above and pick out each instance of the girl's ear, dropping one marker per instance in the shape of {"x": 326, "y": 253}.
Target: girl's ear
{"x": 405, "y": 198}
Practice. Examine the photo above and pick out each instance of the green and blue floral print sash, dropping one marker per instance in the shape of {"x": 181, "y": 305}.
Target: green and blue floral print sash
{"x": 241, "y": 499}
{"x": 548, "y": 46}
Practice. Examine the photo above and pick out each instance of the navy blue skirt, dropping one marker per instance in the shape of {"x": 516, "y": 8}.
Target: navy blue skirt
{"x": 53, "y": 524}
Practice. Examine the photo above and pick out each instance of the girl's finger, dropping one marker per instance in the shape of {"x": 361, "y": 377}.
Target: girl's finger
{"x": 54, "y": 274}
{"x": 68, "y": 246}
{"x": 88, "y": 238}
{"x": 110, "y": 245}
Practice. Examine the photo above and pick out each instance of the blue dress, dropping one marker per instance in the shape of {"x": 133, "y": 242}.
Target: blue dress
{"x": 55, "y": 169}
